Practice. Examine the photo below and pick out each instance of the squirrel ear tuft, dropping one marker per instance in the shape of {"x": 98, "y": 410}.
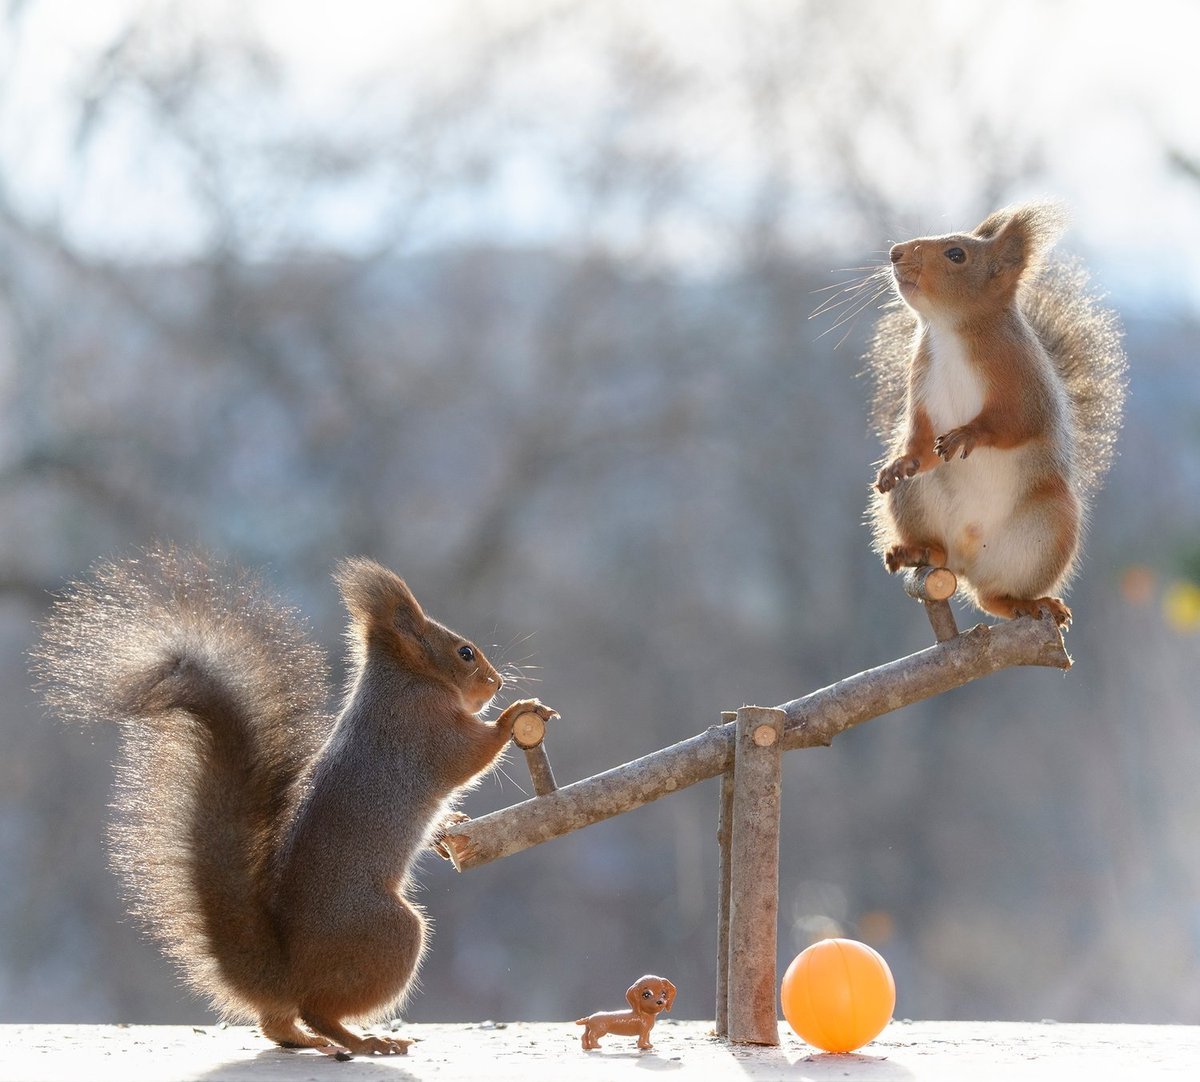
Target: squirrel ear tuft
{"x": 372, "y": 593}
{"x": 407, "y": 615}
{"x": 1022, "y": 234}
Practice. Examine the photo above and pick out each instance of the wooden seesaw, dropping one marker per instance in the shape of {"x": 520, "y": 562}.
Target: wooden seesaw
{"x": 746, "y": 750}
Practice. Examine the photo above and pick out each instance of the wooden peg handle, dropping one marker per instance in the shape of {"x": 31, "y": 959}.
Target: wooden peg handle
{"x": 529, "y": 730}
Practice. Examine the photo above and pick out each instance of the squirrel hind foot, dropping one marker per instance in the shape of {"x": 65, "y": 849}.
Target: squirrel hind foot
{"x": 1010, "y": 608}
{"x": 287, "y": 1034}
{"x": 367, "y": 1044}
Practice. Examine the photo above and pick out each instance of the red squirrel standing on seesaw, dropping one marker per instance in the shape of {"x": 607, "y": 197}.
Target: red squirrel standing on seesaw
{"x": 1000, "y": 384}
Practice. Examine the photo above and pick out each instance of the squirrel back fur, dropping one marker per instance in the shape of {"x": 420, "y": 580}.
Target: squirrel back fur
{"x": 1045, "y": 359}
{"x": 265, "y": 843}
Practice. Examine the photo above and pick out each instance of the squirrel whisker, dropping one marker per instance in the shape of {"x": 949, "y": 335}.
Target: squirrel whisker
{"x": 864, "y": 298}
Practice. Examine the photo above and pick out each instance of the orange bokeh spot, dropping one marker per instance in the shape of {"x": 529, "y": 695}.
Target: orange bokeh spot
{"x": 1138, "y": 584}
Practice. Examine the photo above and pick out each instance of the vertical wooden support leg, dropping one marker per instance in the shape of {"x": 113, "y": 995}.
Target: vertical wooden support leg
{"x": 754, "y": 877}
{"x": 724, "y": 832}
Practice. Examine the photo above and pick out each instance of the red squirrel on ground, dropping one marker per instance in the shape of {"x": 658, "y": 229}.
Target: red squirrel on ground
{"x": 1000, "y": 384}
{"x": 269, "y": 846}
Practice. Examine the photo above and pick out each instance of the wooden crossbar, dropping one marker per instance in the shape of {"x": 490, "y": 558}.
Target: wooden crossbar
{"x": 812, "y": 720}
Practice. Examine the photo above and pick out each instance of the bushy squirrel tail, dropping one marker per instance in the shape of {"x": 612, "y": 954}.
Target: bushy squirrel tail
{"x": 1082, "y": 338}
{"x": 220, "y": 698}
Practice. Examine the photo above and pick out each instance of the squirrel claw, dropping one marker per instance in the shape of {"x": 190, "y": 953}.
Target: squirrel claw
{"x": 1037, "y": 608}
{"x": 900, "y": 556}
{"x": 957, "y": 438}
{"x": 530, "y": 706}
{"x": 899, "y": 470}
{"x": 384, "y": 1046}
{"x": 1042, "y": 607}
{"x": 1053, "y": 607}
{"x": 438, "y": 842}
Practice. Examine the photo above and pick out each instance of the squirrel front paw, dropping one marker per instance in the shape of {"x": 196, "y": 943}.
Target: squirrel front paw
{"x": 900, "y": 555}
{"x": 957, "y": 439}
{"x": 437, "y": 840}
{"x": 899, "y": 470}
{"x": 524, "y": 706}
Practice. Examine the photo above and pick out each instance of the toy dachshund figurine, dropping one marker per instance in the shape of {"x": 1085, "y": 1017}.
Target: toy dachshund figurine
{"x": 647, "y": 997}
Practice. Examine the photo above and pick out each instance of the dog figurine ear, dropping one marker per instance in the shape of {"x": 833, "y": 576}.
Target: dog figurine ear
{"x": 670, "y": 994}
{"x": 631, "y": 996}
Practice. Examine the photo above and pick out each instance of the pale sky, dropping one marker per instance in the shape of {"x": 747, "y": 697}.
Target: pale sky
{"x": 1108, "y": 88}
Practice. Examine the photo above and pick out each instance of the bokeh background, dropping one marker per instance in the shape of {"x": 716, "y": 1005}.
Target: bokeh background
{"x": 515, "y": 298}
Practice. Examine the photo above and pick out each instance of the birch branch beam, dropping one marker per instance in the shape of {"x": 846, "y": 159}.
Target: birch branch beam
{"x": 812, "y": 720}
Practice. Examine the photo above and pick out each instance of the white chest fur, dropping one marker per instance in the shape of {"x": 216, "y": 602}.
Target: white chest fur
{"x": 953, "y": 390}
{"x": 970, "y": 503}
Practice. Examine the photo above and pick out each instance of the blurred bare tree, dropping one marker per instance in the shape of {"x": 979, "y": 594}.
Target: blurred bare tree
{"x": 621, "y": 447}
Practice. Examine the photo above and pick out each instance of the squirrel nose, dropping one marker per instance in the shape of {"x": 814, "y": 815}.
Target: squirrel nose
{"x": 896, "y": 253}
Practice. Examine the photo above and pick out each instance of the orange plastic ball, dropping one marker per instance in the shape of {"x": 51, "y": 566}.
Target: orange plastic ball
{"x": 838, "y": 994}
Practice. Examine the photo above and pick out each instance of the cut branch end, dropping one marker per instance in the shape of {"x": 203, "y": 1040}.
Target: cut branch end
{"x": 930, "y": 583}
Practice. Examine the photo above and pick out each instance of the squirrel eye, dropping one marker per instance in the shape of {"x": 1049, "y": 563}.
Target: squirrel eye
{"x": 956, "y": 255}
{"x": 466, "y": 653}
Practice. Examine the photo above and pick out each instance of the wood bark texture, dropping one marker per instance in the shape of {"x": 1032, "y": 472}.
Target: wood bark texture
{"x": 933, "y": 587}
{"x": 812, "y": 720}
{"x": 724, "y": 889}
{"x": 540, "y": 772}
{"x": 754, "y": 867}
